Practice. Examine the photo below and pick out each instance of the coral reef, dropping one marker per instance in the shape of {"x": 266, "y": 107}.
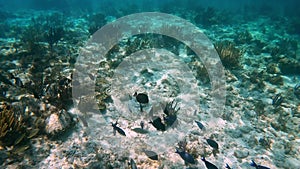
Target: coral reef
{"x": 229, "y": 54}
{"x": 15, "y": 131}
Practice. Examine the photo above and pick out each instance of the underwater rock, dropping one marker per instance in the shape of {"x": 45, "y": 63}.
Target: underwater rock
{"x": 58, "y": 122}
{"x": 241, "y": 153}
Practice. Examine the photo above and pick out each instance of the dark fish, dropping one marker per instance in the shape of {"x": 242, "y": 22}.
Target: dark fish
{"x": 118, "y": 129}
{"x": 151, "y": 154}
{"x": 140, "y": 130}
{"x": 91, "y": 76}
{"x": 200, "y": 125}
{"x": 227, "y": 166}
{"x": 157, "y": 123}
{"x": 64, "y": 81}
{"x": 170, "y": 120}
{"x": 132, "y": 164}
{"x": 212, "y": 143}
{"x": 142, "y": 124}
{"x": 142, "y": 98}
{"x": 186, "y": 156}
{"x": 277, "y": 100}
{"x": 297, "y": 90}
{"x": 18, "y": 82}
{"x": 253, "y": 164}
{"x": 208, "y": 164}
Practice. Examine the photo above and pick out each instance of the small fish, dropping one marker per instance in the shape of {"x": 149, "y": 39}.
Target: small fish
{"x": 157, "y": 123}
{"x": 297, "y": 90}
{"x": 118, "y": 129}
{"x": 253, "y": 164}
{"x": 151, "y": 154}
{"x": 227, "y": 166}
{"x": 208, "y": 164}
{"x": 140, "y": 130}
{"x": 142, "y": 124}
{"x": 91, "y": 76}
{"x": 212, "y": 143}
{"x": 277, "y": 100}
{"x": 200, "y": 125}
{"x": 186, "y": 156}
{"x": 132, "y": 164}
{"x": 18, "y": 82}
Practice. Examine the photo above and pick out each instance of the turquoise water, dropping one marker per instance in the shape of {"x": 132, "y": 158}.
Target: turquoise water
{"x": 217, "y": 83}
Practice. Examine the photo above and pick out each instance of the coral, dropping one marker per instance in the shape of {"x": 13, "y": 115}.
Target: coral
{"x": 53, "y": 35}
{"x": 11, "y": 127}
{"x": 15, "y": 132}
{"x": 229, "y": 54}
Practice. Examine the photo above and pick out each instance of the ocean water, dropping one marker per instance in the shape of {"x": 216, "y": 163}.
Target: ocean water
{"x": 150, "y": 84}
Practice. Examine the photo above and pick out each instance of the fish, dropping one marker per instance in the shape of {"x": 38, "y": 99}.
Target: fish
{"x": 186, "y": 156}
{"x": 151, "y": 154}
{"x": 212, "y": 143}
{"x": 170, "y": 120}
{"x": 142, "y": 98}
{"x": 227, "y": 166}
{"x": 140, "y": 130}
{"x": 277, "y": 100}
{"x": 253, "y": 164}
{"x": 208, "y": 164}
{"x": 142, "y": 124}
{"x": 18, "y": 82}
{"x": 297, "y": 90}
{"x": 200, "y": 125}
{"x": 118, "y": 129}
{"x": 157, "y": 123}
{"x": 132, "y": 164}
